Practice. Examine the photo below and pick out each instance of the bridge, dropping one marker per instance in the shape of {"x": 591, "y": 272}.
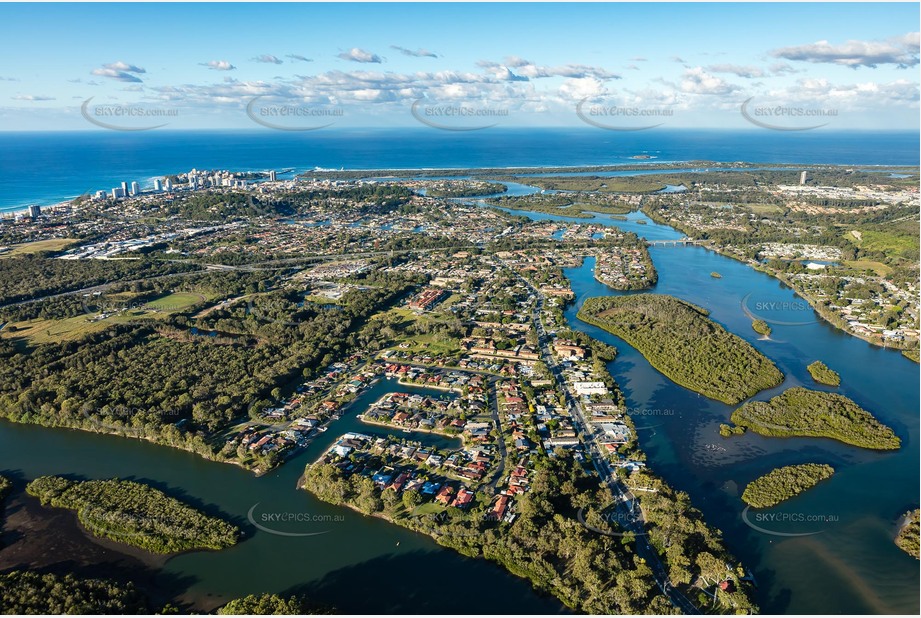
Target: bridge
{"x": 674, "y": 243}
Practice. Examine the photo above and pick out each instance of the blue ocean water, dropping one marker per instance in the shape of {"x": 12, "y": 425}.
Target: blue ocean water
{"x": 48, "y": 167}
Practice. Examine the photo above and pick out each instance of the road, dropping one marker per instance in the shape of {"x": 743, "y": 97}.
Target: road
{"x": 631, "y": 516}
{"x": 500, "y": 439}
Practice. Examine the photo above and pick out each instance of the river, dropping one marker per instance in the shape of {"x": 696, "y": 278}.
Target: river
{"x": 845, "y": 563}
{"x": 397, "y": 571}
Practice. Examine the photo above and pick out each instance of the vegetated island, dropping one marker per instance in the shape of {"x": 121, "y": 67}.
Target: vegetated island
{"x": 907, "y": 539}
{"x": 784, "y": 483}
{"x": 269, "y": 605}
{"x": 678, "y": 339}
{"x": 27, "y": 592}
{"x": 761, "y": 327}
{"x": 135, "y": 514}
{"x": 716, "y": 275}
{"x": 823, "y": 375}
{"x": 800, "y": 412}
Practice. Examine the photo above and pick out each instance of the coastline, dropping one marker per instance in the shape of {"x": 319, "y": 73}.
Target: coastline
{"x": 628, "y": 164}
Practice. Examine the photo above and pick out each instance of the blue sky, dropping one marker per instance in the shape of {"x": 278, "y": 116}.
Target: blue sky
{"x": 849, "y": 66}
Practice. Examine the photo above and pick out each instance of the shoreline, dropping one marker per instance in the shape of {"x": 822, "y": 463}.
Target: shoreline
{"x": 362, "y": 418}
{"x": 828, "y": 318}
{"x": 630, "y": 165}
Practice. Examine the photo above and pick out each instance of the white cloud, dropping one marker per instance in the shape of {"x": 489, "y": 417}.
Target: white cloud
{"x": 120, "y": 71}
{"x": 901, "y": 51}
{"x": 738, "y": 70}
{"x": 359, "y": 55}
{"x": 218, "y": 65}
{"x": 32, "y": 97}
{"x": 416, "y": 53}
{"x": 580, "y": 88}
{"x": 697, "y": 81}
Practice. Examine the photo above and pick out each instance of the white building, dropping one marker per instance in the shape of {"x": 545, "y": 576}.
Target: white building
{"x": 158, "y": 185}
{"x": 135, "y": 188}
{"x": 590, "y": 388}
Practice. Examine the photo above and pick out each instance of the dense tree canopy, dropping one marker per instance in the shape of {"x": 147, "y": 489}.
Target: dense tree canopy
{"x": 678, "y": 339}
{"x": 135, "y": 514}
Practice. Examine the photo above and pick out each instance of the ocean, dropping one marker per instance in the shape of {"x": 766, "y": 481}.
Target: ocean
{"x": 48, "y": 167}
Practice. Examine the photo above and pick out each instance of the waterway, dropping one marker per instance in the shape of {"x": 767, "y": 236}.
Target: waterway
{"x": 843, "y": 562}
{"x": 829, "y": 550}
{"x": 327, "y": 552}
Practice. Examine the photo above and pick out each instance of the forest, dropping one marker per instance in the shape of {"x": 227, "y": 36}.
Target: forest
{"x": 823, "y": 375}
{"x": 800, "y": 412}
{"x": 175, "y": 383}
{"x": 907, "y": 539}
{"x": 784, "y": 483}
{"x": 135, "y": 514}
{"x": 27, "y": 592}
{"x": 589, "y": 571}
{"x": 35, "y": 276}
{"x": 678, "y": 339}
{"x": 269, "y": 605}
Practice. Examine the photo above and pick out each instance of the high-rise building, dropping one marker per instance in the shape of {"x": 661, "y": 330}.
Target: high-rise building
{"x": 135, "y": 189}
{"x": 117, "y": 192}
{"x": 158, "y": 185}
{"x": 803, "y": 177}
{"x": 273, "y": 176}
{"x": 168, "y": 184}
{"x": 124, "y": 189}
{"x": 35, "y": 210}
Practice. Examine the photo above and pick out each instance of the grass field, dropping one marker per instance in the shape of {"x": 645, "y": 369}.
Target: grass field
{"x": 69, "y": 329}
{"x": 66, "y": 329}
{"x": 878, "y": 267}
{"x": 895, "y": 244}
{"x": 429, "y": 508}
{"x": 763, "y": 209}
{"x": 423, "y": 342}
{"x": 177, "y": 301}
{"x": 54, "y": 244}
